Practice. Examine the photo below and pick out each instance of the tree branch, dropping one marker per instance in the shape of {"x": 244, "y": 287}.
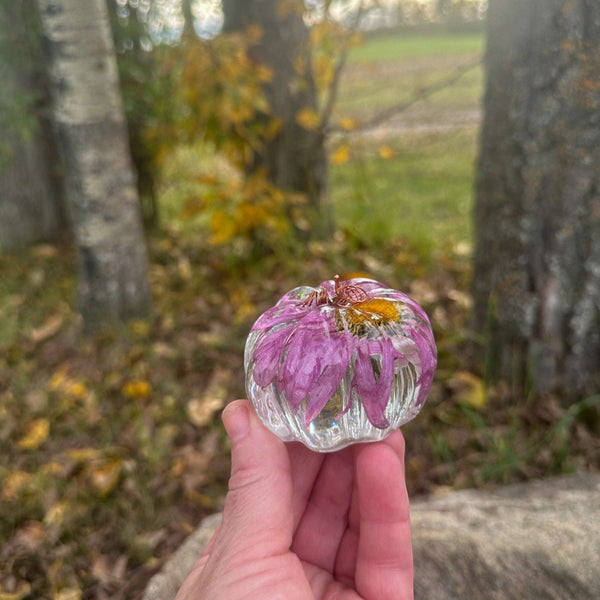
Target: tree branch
{"x": 337, "y": 73}
{"x": 421, "y": 94}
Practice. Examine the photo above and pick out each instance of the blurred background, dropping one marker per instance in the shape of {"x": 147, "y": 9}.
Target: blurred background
{"x": 169, "y": 168}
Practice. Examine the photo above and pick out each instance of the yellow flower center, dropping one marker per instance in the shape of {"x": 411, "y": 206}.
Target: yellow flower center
{"x": 375, "y": 312}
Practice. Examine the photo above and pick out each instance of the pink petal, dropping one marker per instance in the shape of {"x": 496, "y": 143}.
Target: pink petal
{"x": 302, "y": 365}
{"x": 323, "y": 389}
{"x": 341, "y": 347}
{"x": 267, "y": 355}
{"x": 428, "y": 353}
{"x": 375, "y": 395}
{"x": 280, "y": 313}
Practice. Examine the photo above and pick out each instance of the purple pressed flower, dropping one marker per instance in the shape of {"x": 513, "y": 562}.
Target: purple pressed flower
{"x": 358, "y": 331}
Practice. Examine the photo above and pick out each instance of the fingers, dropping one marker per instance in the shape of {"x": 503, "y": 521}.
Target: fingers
{"x": 305, "y": 465}
{"x": 258, "y": 511}
{"x": 345, "y": 562}
{"x": 317, "y": 537}
{"x": 384, "y": 567}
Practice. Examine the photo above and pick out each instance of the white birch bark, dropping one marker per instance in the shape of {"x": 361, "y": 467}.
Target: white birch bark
{"x": 101, "y": 190}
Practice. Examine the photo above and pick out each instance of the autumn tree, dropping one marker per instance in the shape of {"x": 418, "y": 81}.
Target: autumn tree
{"x": 100, "y": 181}
{"x": 294, "y": 158}
{"x": 537, "y": 259}
{"x": 31, "y": 207}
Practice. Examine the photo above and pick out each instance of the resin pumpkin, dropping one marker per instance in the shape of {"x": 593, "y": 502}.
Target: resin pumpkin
{"x": 346, "y": 362}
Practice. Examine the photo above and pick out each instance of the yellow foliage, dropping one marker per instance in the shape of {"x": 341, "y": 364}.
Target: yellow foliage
{"x": 222, "y": 227}
{"x": 308, "y": 118}
{"x": 35, "y": 435}
{"x": 348, "y": 124}
{"x": 341, "y": 155}
{"x": 386, "y": 152}
{"x": 323, "y": 70}
{"x": 264, "y": 73}
{"x": 137, "y": 389}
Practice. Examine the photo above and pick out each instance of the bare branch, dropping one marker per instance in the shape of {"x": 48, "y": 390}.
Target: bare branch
{"x": 339, "y": 67}
{"x": 420, "y": 95}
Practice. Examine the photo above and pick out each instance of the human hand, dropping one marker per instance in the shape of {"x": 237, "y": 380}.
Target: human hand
{"x": 298, "y": 525}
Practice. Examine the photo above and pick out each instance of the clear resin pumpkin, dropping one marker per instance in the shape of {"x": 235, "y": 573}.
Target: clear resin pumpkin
{"x": 346, "y": 362}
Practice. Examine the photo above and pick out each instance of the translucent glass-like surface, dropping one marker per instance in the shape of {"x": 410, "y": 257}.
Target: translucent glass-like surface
{"x": 342, "y": 363}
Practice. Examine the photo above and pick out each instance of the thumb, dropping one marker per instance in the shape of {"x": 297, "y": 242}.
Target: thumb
{"x": 258, "y": 508}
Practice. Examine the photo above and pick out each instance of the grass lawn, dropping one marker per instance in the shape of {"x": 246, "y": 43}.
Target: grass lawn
{"x": 408, "y": 45}
{"x": 421, "y": 193}
{"x": 389, "y": 70}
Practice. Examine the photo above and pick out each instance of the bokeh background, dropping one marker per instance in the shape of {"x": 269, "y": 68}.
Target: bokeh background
{"x": 169, "y": 168}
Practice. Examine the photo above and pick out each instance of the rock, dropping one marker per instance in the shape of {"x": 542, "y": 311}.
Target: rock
{"x": 537, "y": 540}
{"x": 165, "y": 584}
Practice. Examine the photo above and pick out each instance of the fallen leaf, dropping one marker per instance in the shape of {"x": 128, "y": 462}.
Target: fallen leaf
{"x": 12, "y": 485}
{"x": 55, "y": 515}
{"x": 469, "y": 389}
{"x": 137, "y": 389}
{"x": 35, "y": 435}
{"x": 44, "y": 251}
{"x": 463, "y": 299}
{"x": 50, "y": 328}
{"x": 22, "y": 590}
{"x": 81, "y": 455}
{"x": 105, "y": 476}
{"x": 68, "y": 594}
{"x": 200, "y": 411}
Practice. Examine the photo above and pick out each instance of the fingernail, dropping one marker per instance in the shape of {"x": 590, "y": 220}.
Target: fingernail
{"x": 237, "y": 421}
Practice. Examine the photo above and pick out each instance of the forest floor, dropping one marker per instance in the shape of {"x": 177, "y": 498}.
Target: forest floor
{"x": 112, "y": 447}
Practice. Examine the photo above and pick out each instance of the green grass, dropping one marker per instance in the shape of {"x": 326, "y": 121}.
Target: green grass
{"x": 422, "y": 194}
{"x": 405, "y": 45}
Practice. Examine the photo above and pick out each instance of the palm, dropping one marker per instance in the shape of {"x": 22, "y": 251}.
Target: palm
{"x": 300, "y": 525}
{"x": 351, "y": 522}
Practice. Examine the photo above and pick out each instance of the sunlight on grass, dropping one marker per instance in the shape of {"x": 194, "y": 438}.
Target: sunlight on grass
{"x": 408, "y": 45}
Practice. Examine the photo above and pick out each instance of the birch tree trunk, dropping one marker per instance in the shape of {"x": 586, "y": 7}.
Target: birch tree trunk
{"x": 295, "y": 159}
{"x": 101, "y": 189}
{"x": 31, "y": 203}
{"x": 537, "y": 263}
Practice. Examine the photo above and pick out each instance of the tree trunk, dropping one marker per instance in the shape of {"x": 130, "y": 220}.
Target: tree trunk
{"x": 31, "y": 206}
{"x": 537, "y": 259}
{"x": 188, "y": 17}
{"x": 295, "y": 159}
{"x": 101, "y": 190}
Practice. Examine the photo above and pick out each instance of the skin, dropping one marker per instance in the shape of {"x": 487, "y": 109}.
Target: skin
{"x": 298, "y": 525}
